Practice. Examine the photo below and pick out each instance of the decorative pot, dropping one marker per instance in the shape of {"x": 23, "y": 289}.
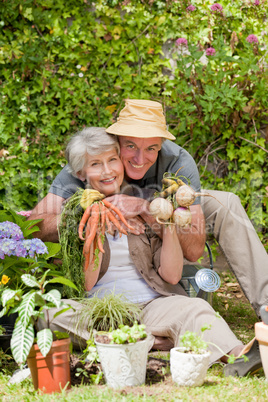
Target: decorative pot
{"x": 124, "y": 364}
{"x": 261, "y": 332}
{"x": 51, "y": 373}
{"x": 188, "y": 369}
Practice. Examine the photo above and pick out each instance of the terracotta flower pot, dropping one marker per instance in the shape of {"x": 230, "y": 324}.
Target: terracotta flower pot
{"x": 51, "y": 373}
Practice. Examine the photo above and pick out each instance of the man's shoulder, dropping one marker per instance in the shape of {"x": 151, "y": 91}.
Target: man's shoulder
{"x": 172, "y": 150}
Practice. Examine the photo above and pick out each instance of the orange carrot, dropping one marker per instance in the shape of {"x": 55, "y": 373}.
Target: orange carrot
{"x": 100, "y": 245}
{"x": 94, "y": 225}
{"x": 83, "y": 222}
{"x": 86, "y": 263}
{"x": 116, "y": 223}
{"x": 118, "y": 212}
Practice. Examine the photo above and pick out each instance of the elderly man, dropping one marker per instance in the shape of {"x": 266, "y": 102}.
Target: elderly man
{"x": 147, "y": 152}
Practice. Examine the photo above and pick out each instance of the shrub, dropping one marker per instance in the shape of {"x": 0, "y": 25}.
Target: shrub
{"x": 66, "y": 65}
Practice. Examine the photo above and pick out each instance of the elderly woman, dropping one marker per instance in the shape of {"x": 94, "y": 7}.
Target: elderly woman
{"x": 145, "y": 268}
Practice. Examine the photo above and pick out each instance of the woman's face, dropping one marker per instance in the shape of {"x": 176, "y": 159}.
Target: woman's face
{"x": 104, "y": 172}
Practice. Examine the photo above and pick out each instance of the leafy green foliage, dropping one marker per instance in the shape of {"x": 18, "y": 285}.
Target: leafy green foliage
{"x": 66, "y": 65}
{"x": 126, "y": 334}
{"x": 193, "y": 343}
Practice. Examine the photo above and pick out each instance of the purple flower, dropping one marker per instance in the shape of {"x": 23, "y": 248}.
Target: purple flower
{"x": 256, "y": 3}
{"x": 8, "y": 247}
{"x": 210, "y": 51}
{"x": 182, "y": 42}
{"x": 191, "y": 8}
{"x": 21, "y": 248}
{"x": 216, "y": 7}
{"x": 10, "y": 230}
{"x": 34, "y": 246}
{"x": 252, "y": 39}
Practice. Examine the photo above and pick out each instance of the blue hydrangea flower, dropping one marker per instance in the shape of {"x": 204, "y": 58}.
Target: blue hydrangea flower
{"x": 8, "y": 247}
{"x": 34, "y": 246}
{"x": 10, "y": 230}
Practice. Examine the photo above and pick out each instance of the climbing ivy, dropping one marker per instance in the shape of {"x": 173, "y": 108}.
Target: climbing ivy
{"x": 69, "y": 64}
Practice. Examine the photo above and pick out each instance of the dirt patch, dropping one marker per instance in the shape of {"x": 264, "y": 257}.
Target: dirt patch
{"x": 81, "y": 373}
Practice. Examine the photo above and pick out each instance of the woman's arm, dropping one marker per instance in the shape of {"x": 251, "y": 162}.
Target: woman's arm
{"x": 171, "y": 258}
{"x": 92, "y": 271}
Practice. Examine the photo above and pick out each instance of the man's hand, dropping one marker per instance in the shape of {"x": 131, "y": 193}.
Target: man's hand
{"x": 130, "y": 206}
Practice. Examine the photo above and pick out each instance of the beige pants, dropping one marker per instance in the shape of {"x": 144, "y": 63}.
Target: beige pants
{"x": 166, "y": 317}
{"x": 240, "y": 244}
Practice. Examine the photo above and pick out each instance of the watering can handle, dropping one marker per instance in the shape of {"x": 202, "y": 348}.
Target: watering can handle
{"x": 264, "y": 313}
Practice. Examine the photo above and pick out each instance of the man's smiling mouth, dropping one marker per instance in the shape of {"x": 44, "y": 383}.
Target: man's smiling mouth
{"x": 136, "y": 166}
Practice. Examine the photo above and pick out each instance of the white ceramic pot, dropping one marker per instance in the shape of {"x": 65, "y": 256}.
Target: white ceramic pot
{"x": 261, "y": 331}
{"x": 188, "y": 369}
{"x": 123, "y": 365}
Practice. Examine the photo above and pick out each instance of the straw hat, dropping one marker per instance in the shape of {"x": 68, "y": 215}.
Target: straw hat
{"x": 142, "y": 119}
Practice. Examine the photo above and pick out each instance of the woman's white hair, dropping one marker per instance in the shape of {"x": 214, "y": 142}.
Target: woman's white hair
{"x": 89, "y": 141}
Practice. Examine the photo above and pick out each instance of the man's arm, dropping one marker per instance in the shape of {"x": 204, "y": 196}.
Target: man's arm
{"x": 48, "y": 209}
{"x": 192, "y": 238}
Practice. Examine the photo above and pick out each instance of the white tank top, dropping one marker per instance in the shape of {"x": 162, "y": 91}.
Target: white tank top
{"x": 122, "y": 277}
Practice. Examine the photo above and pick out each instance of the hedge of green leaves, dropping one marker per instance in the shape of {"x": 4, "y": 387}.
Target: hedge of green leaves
{"x": 69, "y": 64}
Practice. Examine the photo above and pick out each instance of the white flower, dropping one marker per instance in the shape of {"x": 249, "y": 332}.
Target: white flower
{"x": 78, "y": 66}
{"x": 81, "y": 75}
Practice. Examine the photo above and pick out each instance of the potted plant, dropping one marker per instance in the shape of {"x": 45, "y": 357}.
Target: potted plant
{"x": 189, "y": 362}
{"x": 29, "y": 291}
{"x": 123, "y": 355}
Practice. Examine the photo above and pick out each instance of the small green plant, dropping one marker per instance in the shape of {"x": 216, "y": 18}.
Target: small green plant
{"x": 2, "y": 330}
{"x": 194, "y": 343}
{"x": 126, "y": 334}
{"x": 107, "y": 313}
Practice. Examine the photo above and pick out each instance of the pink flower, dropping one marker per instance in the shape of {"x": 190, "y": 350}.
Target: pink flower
{"x": 210, "y": 51}
{"x": 25, "y": 213}
{"x": 182, "y": 42}
{"x": 191, "y": 8}
{"x": 256, "y": 3}
{"x": 252, "y": 39}
{"x": 216, "y": 7}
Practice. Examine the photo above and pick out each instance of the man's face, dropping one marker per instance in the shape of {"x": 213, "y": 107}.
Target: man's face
{"x": 138, "y": 155}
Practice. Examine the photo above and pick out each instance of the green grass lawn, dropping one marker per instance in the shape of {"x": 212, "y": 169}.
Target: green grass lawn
{"x": 231, "y": 304}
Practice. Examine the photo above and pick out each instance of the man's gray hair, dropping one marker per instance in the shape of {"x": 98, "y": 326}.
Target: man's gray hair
{"x": 91, "y": 141}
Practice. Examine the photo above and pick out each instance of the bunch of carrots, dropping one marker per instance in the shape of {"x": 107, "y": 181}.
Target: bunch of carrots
{"x": 100, "y": 215}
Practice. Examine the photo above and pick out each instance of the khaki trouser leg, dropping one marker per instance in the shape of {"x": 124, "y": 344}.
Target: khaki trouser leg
{"x": 171, "y": 316}
{"x": 240, "y": 244}
{"x": 67, "y": 322}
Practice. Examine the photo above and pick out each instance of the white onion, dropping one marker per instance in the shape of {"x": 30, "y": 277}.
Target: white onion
{"x": 182, "y": 217}
{"x": 161, "y": 208}
{"x": 185, "y": 196}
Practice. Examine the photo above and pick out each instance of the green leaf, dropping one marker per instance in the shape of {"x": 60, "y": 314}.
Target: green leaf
{"x": 30, "y": 280}
{"x": 63, "y": 281}
{"x": 53, "y": 249}
{"x": 27, "y": 307}
{"x": 21, "y": 341}
{"x": 53, "y": 296}
{"x": 44, "y": 340}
